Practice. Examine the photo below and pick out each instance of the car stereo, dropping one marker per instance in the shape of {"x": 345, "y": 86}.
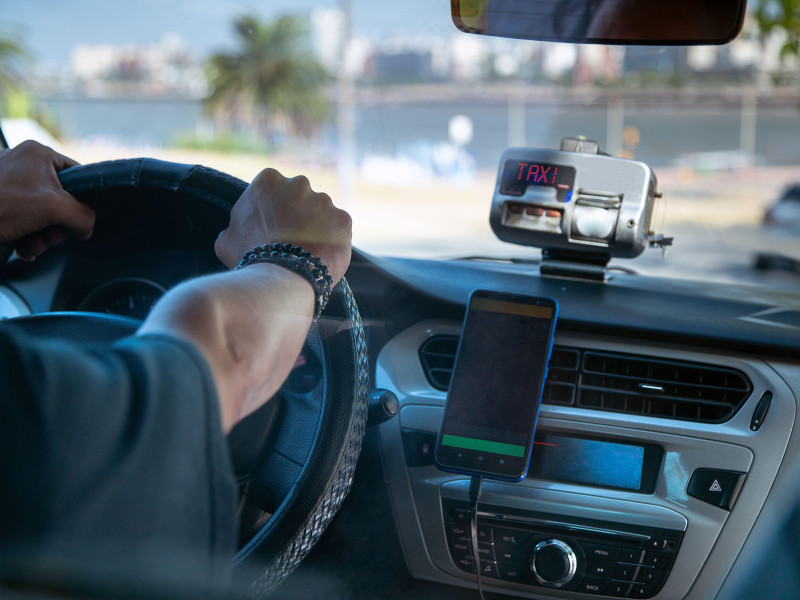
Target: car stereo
{"x": 549, "y": 551}
{"x": 587, "y": 548}
{"x": 574, "y": 200}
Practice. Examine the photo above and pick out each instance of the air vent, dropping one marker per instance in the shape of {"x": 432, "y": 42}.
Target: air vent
{"x": 437, "y": 355}
{"x": 661, "y": 388}
{"x": 562, "y": 376}
{"x": 618, "y": 382}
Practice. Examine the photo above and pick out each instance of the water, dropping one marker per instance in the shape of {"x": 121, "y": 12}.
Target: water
{"x": 128, "y": 122}
{"x": 399, "y": 128}
{"x": 663, "y": 135}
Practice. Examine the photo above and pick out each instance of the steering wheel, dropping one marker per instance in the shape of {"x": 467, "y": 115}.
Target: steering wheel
{"x": 294, "y": 458}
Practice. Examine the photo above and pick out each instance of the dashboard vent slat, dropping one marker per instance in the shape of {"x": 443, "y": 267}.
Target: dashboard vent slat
{"x": 437, "y": 355}
{"x": 621, "y": 383}
{"x": 562, "y": 376}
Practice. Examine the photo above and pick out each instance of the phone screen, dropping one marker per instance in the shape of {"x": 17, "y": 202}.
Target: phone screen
{"x": 493, "y": 400}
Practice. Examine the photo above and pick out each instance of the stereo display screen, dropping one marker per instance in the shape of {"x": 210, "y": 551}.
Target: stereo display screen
{"x": 598, "y": 462}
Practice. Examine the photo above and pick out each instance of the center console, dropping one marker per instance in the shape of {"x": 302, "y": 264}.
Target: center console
{"x": 614, "y": 505}
{"x": 548, "y": 550}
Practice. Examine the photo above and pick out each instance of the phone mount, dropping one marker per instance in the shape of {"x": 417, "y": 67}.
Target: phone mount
{"x": 580, "y": 205}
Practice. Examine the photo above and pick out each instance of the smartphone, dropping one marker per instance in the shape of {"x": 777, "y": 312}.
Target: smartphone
{"x": 493, "y": 400}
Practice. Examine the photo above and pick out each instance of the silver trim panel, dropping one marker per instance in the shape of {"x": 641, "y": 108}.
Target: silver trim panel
{"x": 622, "y": 535}
{"x": 711, "y": 540}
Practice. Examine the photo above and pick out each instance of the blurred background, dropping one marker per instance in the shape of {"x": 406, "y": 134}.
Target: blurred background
{"x": 402, "y": 118}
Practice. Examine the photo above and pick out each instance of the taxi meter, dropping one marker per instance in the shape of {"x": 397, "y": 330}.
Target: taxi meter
{"x": 575, "y": 202}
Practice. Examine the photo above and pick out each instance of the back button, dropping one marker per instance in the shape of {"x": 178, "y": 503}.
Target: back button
{"x": 592, "y": 586}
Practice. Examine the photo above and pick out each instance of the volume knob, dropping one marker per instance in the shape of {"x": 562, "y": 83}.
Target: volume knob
{"x": 553, "y": 563}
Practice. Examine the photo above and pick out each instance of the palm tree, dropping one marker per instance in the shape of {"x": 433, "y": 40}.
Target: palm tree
{"x": 272, "y": 80}
{"x": 780, "y": 15}
{"x": 12, "y": 57}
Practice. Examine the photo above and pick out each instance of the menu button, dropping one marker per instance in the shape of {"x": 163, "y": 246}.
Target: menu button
{"x": 594, "y": 551}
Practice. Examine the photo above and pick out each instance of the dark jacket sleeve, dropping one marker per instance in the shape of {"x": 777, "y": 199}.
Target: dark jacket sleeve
{"x": 116, "y": 453}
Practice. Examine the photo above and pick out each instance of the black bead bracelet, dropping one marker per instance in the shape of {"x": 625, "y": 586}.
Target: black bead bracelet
{"x": 298, "y": 260}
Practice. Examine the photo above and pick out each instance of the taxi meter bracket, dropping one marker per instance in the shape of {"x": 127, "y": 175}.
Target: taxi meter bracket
{"x": 580, "y": 205}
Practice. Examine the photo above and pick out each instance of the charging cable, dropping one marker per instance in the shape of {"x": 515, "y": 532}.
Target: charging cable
{"x": 475, "y": 488}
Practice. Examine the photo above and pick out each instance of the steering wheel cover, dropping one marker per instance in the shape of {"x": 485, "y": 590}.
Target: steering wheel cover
{"x": 327, "y": 475}
{"x": 195, "y": 181}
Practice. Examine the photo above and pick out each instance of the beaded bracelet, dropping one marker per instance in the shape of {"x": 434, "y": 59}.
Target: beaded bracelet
{"x": 298, "y": 260}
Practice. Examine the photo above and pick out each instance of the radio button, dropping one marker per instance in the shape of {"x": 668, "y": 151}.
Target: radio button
{"x": 650, "y": 575}
{"x": 618, "y": 588}
{"x": 461, "y": 515}
{"x": 509, "y": 554}
{"x": 647, "y": 590}
{"x": 657, "y": 544}
{"x": 486, "y": 551}
{"x": 592, "y": 586}
{"x": 658, "y": 560}
{"x": 489, "y": 569}
{"x": 510, "y": 537}
{"x": 461, "y": 531}
{"x": 593, "y": 551}
{"x": 634, "y": 557}
{"x": 458, "y": 531}
{"x": 512, "y": 572}
{"x": 626, "y": 572}
{"x": 465, "y": 563}
{"x": 600, "y": 569}
{"x": 460, "y": 547}
{"x": 484, "y": 533}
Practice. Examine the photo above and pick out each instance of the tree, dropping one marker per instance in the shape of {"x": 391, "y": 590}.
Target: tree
{"x": 272, "y": 80}
{"x": 12, "y": 57}
{"x": 780, "y": 15}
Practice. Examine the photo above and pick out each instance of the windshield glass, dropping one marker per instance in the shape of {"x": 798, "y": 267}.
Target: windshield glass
{"x": 402, "y": 119}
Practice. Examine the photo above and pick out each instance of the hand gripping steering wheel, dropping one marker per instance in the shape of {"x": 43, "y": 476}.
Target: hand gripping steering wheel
{"x": 295, "y": 458}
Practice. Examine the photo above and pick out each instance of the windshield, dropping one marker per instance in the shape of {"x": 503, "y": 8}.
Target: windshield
{"x": 402, "y": 119}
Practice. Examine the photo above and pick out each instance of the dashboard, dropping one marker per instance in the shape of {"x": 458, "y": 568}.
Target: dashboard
{"x": 625, "y": 542}
{"x": 669, "y": 419}
{"x": 666, "y": 424}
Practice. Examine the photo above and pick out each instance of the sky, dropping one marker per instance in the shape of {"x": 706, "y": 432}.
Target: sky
{"x": 50, "y": 28}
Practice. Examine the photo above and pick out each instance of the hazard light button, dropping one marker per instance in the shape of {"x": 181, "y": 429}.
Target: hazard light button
{"x": 716, "y": 486}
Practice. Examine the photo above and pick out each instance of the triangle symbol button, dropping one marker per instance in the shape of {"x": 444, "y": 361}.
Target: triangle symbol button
{"x": 715, "y": 487}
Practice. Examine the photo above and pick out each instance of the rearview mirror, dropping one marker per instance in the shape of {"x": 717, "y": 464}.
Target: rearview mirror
{"x": 648, "y": 22}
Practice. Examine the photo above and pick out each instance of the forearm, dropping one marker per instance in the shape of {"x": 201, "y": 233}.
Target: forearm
{"x": 249, "y": 324}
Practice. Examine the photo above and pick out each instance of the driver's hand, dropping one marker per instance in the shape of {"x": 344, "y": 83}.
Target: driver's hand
{"x": 276, "y": 209}
{"x": 35, "y": 211}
